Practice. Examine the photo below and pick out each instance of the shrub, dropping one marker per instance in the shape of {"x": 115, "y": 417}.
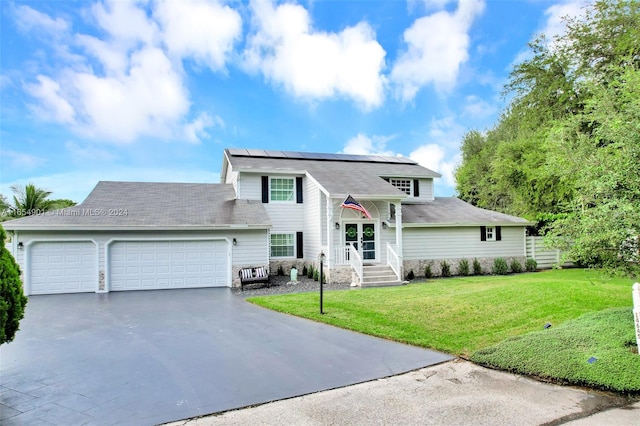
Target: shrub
{"x": 304, "y": 270}
{"x": 316, "y": 275}
{"x": 411, "y": 275}
{"x": 445, "y": 269}
{"x": 515, "y": 266}
{"x": 463, "y": 267}
{"x": 477, "y": 268}
{"x": 531, "y": 265}
{"x": 280, "y": 271}
{"x": 13, "y": 300}
{"x": 427, "y": 271}
{"x": 500, "y": 266}
{"x": 310, "y": 272}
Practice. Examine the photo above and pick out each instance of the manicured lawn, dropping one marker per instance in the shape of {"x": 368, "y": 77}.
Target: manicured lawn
{"x": 488, "y": 316}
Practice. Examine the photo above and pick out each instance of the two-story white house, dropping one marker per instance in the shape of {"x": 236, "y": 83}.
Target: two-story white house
{"x": 272, "y": 208}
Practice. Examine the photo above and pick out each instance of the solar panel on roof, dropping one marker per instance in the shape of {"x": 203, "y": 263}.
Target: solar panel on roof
{"x": 319, "y": 156}
{"x": 257, "y": 152}
{"x": 237, "y": 151}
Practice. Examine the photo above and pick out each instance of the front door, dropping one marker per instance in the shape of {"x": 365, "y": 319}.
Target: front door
{"x": 362, "y": 236}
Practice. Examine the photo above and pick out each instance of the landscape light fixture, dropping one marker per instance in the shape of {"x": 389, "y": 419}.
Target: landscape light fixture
{"x": 321, "y": 258}
{"x": 547, "y": 325}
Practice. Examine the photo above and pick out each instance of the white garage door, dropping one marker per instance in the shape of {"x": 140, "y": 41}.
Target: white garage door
{"x": 153, "y": 265}
{"x": 63, "y": 267}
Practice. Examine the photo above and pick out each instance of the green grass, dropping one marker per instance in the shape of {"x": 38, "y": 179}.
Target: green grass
{"x": 463, "y": 315}
{"x": 561, "y": 353}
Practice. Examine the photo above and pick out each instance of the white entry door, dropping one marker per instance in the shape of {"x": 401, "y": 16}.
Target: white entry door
{"x": 154, "y": 265}
{"x": 62, "y": 267}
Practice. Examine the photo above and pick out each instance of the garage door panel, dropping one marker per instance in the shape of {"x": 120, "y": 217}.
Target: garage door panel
{"x": 62, "y": 267}
{"x": 168, "y": 264}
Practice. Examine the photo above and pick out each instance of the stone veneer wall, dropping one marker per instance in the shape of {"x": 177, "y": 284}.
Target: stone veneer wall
{"x": 418, "y": 266}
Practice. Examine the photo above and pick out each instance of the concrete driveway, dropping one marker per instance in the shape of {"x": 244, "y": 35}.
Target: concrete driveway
{"x": 150, "y": 357}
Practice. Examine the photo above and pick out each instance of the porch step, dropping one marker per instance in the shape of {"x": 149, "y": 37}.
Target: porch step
{"x": 379, "y": 276}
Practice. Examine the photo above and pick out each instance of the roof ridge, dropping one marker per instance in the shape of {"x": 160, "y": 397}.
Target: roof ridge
{"x": 319, "y": 156}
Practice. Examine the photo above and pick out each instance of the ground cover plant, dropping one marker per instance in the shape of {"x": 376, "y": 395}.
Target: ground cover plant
{"x": 463, "y": 315}
{"x": 596, "y": 350}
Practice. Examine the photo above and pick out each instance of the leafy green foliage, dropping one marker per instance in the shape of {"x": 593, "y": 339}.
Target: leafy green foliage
{"x": 477, "y": 267}
{"x": 463, "y": 267}
{"x": 428, "y": 273}
{"x": 304, "y": 270}
{"x": 560, "y": 353}
{"x": 515, "y": 266}
{"x": 310, "y": 271}
{"x": 445, "y": 269}
{"x": 566, "y": 150}
{"x": 500, "y": 266}
{"x": 316, "y": 275}
{"x": 411, "y": 275}
{"x": 280, "y": 271}
{"x": 531, "y": 265}
{"x": 30, "y": 200}
{"x": 12, "y": 298}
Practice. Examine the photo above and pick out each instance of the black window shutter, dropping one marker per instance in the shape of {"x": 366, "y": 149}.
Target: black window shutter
{"x": 483, "y": 233}
{"x": 299, "y": 190}
{"x": 299, "y": 245}
{"x": 265, "y": 189}
{"x": 416, "y": 188}
{"x": 498, "y": 233}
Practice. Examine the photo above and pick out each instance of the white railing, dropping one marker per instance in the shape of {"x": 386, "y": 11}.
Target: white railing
{"x": 356, "y": 263}
{"x": 341, "y": 255}
{"x": 393, "y": 260}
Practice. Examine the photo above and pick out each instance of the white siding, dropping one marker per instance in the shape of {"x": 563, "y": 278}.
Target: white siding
{"x": 249, "y": 186}
{"x": 314, "y": 210}
{"x": 426, "y": 190}
{"x": 444, "y": 243}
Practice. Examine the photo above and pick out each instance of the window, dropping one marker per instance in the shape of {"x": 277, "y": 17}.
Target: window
{"x": 282, "y": 245}
{"x": 403, "y": 185}
{"x": 490, "y": 233}
{"x": 282, "y": 189}
{"x": 491, "y": 236}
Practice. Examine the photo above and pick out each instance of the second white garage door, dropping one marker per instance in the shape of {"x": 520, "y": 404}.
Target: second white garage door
{"x": 153, "y": 265}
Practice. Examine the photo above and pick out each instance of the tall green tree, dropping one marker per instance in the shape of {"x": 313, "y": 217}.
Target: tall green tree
{"x": 30, "y": 199}
{"x": 566, "y": 148}
{"x": 12, "y": 298}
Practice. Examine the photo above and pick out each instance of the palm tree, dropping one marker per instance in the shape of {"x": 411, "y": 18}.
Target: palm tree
{"x": 29, "y": 200}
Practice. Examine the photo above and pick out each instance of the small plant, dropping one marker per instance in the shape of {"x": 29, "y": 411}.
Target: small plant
{"x": 316, "y": 275}
{"x": 463, "y": 267}
{"x": 304, "y": 270}
{"x": 428, "y": 273}
{"x": 516, "y": 267}
{"x": 310, "y": 272}
{"x": 500, "y": 266}
{"x": 531, "y": 265}
{"x": 477, "y": 268}
{"x": 280, "y": 271}
{"x": 445, "y": 269}
{"x": 411, "y": 275}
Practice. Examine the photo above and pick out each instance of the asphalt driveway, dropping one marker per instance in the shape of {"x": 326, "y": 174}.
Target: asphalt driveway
{"x": 150, "y": 357}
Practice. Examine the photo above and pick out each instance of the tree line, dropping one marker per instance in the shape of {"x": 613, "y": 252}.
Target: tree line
{"x": 565, "y": 153}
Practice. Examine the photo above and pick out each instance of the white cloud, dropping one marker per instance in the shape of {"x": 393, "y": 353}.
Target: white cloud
{"x": 203, "y": 30}
{"x": 475, "y": 107}
{"x": 437, "y": 45}
{"x": 432, "y": 156}
{"x": 28, "y": 19}
{"x": 196, "y": 130}
{"x": 364, "y": 145}
{"x": 312, "y": 64}
{"x": 53, "y": 105}
{"x": 88, "y": 153}
{"x": 555, "y": 24}
{"x": 129, "y": 83}
{"x": 21, "y": 161}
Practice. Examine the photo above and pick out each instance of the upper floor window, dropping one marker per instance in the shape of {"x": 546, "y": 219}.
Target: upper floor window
{"x": 403, "y": 185}
{"x": 282, "y": 189}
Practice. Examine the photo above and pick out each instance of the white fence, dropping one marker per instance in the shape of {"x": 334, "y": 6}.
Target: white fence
{"x": 545, "y": 257}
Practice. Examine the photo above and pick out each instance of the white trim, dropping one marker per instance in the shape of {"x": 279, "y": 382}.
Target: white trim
{"x": 107, "y": 254}
{"x": 27, "y": 259}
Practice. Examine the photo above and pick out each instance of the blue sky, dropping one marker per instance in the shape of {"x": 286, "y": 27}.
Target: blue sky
{"x": 155, "y": 90}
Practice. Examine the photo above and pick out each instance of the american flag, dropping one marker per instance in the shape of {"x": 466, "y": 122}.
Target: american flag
{"x": 351, "y": 203}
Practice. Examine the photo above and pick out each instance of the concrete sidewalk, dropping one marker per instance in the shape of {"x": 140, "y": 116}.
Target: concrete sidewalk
{"x": 453, "y": 393}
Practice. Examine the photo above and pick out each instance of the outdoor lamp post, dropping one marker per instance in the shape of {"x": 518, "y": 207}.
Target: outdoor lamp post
{"x": 321, "y": 259}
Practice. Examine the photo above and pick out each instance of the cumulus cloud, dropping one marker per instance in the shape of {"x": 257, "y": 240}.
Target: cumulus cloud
{"x": 437, "y": 45}
{"x": 28, "y": 19}
{"x": 362, "y": 144}
{"x": 20, "y": 160}
{"x": 313, "y": 64}
{"x": 433, "y": 157}
{"x": 555, "y": 14}
{"x": 476, "y": 107}
{"x": 129, "y": 81}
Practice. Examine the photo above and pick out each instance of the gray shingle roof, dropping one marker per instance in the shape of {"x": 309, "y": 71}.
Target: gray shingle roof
{"x": 453, "y": 211}
{"x": 134, "y": 205}
{"x": 339, "y": 174}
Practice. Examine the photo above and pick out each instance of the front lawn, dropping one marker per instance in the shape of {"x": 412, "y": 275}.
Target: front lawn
{"x": 463, "y": 315}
